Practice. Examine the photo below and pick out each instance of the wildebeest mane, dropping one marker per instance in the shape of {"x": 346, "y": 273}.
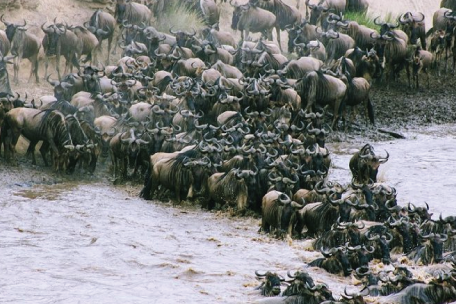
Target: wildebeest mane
{"x": 314, "y": 86}
{"x": 229, "y": 179}
{"x": 179, "y": 175}
{"x": 63, "y": 106}
{"x": 325, "y": 214}
{"x": 55, "y": 121}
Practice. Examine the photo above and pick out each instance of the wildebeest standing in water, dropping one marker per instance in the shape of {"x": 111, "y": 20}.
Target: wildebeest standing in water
{"x": 364, "y": 165}
{"x": 35, "y": 125}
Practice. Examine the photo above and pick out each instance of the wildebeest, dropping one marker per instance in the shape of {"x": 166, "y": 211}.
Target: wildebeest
{"x": 414, "y": 26}
{"x": 285, "y": 15}
{"x": 230, "y": 187}
{"x": 364, "y": 165}
{"x": 129, "y": 12}
{"x": 102, "y": 25}
{"x": 5, "y": 44}
{"x": 358, "y": 92}
{"x": 36, "y": 125}
{"x": 132, "y": 13}
{"x": 422, "y": 62}
{"x": 23, "y": 45}
{"x": 211, "y": 11}
{"x": 4, "y": 76}
{"x": 334, "y": 261}
{"x": 89, "y": 42}
{"x": 440, "y": 290}
{"x": 59, "y": 41}
{"x": 270, "y": 286}
{"x": 279, "y": 213}
{"x": 248, "y": 18}
{"x": 319, "y": 89}
{"x": 172, "y": 171}
{"x": 319, "y": 11}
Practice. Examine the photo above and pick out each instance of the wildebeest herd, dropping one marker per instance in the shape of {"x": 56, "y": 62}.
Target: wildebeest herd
{"x": 237, "y": 124}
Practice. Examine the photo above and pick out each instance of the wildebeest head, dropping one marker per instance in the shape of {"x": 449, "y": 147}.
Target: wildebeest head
{"x": 4, "y": 77}
{"x": 270, "y": 285}
{"x": 437, "y": 245}
{"x": 354, "y": 298}
{"x": 381, "y": 238}
{"x": 11, "y": 28}
{"x": 288, "y": 212}
{"x": 51, "y": 40}
{"x": 410, "y": 24}
{"x": 385, "y": 26}
{"x": 182, "y": 37}
{"x": 315, "y": 11}
{"x": 300, "y": 281}
{"x": 237, "y": 13}
{"x": 352, "y": 231}
{"x": 60, "y": 88}
{"x": 200, "y": 171}
{"x": 402, "y": 226}
{"x": 92, "y": 81}
{"x": 421, "y": 212}
{"x": 337, "y": 260}
{"x": 131, "y": 145}
{"x": 121, "y": 8}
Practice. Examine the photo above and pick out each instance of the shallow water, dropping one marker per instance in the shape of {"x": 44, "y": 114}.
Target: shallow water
{"x": 421, "y": 168}
{"x": 90, "y": 242}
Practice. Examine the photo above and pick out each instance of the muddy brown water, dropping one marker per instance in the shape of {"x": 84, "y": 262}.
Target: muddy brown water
{"x": 86, "y": 241}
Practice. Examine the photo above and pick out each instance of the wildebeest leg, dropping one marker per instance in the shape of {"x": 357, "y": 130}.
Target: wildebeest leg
{"x": 118, "y": 33}
{"x": 336, "y": 114}
{"x": 31, "y": 151}
{"x": 370, "y": 111}
{"x": 17, "y": 61}
{"x": 145, "y": 192}
{"x": 109, "y": 48}
{"x": 113, "y": 162}
{"x": 278, "y": 37}
{"x": 265, "y": 227}
{"x": 57, "y": 66}
{"x": 124, "y": 168}
{"x": 43, "y": 151}
{"x": 35, "y": 68}
{"x": 12, "y": 136}
{"x": 46, "y": 64}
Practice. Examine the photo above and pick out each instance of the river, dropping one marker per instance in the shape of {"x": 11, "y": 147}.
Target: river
{"x": 73, "y": 241}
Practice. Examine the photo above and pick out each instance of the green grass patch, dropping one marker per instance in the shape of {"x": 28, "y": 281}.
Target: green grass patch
{"x": 180, "y": 17}
{"x": 367, "y": 19}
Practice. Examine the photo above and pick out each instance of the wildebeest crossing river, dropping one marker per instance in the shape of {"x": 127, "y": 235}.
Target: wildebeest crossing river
{"x": 90, "y": 242}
